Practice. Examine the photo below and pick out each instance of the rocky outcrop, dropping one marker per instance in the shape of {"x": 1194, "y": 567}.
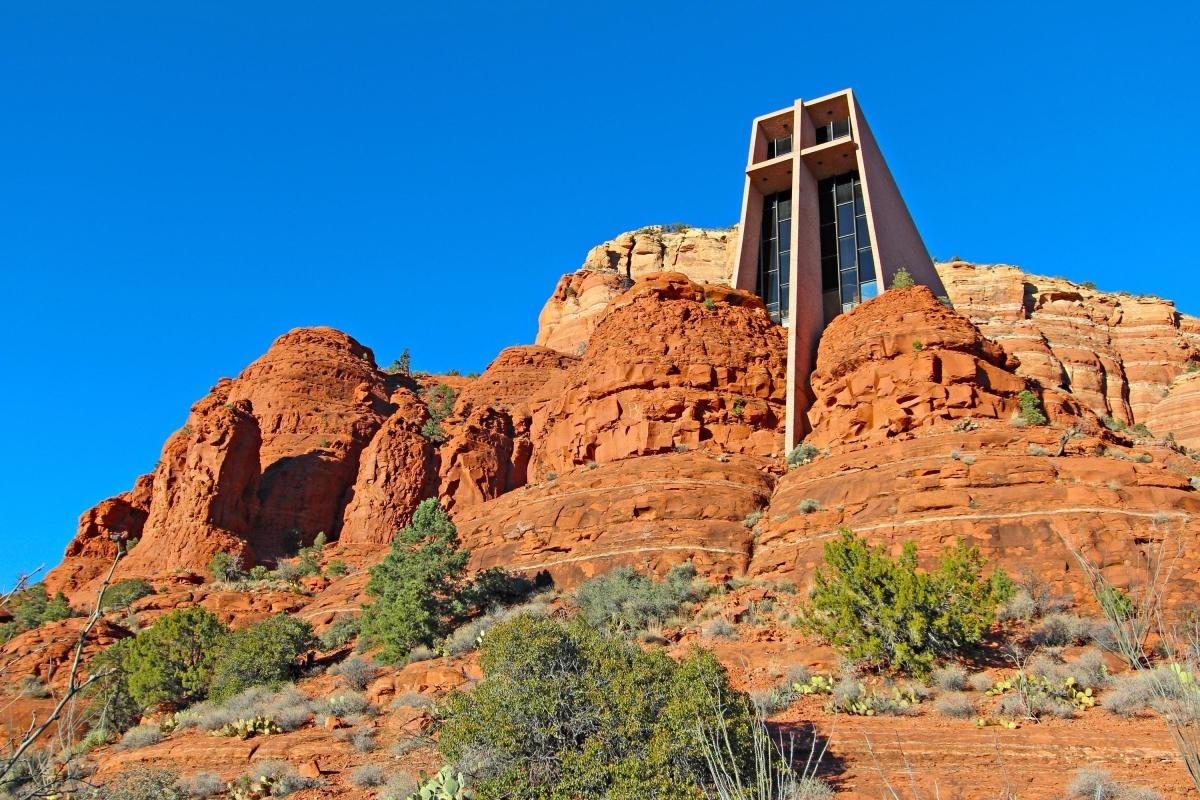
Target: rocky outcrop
{"x": 1178, "y": 413}
{"x": 489, "y": 445}
{"x": 396, "y": 471}
{"x": 672, "y": 364}
{"x": 319, "y": 399}
{"x": 1116, "y": 353}
{"x": 574, "y": 309}
{"x": 93, "y": 547}
{"x": 204, "y": 490}
{"x": 919, "y": 444}
{"x": 651, "y": 513}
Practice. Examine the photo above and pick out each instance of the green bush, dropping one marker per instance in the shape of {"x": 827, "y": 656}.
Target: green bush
{"x": 122, "y": 593}
{"x": 141, "y": 783}
{"x": 626, "y": 600}
{"x": 1031, "y": 412}
{"x": 340, "y": 631}
{"x": 439, "y": 401}
{"x": 801, "y": 454}
{"x": 172, "y": 661}
{"x": 263, "y": 654}
{"x": 416, "y": 586}
{"x": 337, "y": 568}
{"x": 226, "y": 568}
{"x": 31, "y": 608}
{"x": 885, "y": 612}
{"x": 564, "y": 711}
{"x": 901, "y": 279}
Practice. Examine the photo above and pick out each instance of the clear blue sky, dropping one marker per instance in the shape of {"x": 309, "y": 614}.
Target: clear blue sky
{"x": 183, "y": 182}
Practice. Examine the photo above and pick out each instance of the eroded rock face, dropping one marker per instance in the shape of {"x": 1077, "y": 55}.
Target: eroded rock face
{"x": 489, "y": 445}
{"x": 395, "y": 472}
{"x": 575, "y": 307}
{"x": 1116, "y": 353}
{"x": 319, "y": 399}
{"x": 1178, "y": 413}
{"x": 91, "y": 551}
{"x": 652, "y": 513}
{"x": 671, "y": 364}
{"x": 203, "y": 499}
{"x": 904, "y": 361}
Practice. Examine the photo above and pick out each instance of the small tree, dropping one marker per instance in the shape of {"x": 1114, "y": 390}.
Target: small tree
{"x": 625, "y": 600}
{"x": 415, "y": 586}
{"x": 564, "y": 711}
{"x": 883, "y": 611}
{"x": 264, "y": 653}
{"x": 226, "y": 568}
{"x": 402, "y": 365}
{"x": 901, "y": 279}
{"x": 439, "y": 401}
{"x": 172, "y": 661}
{"x": 1031, "y": 412}
{"x": 123, "y": 593}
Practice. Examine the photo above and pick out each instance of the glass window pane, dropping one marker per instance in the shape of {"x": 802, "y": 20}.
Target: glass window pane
{"x": 845, "y": 219}
{"x": 846, "y": 259}
{"x": 829, "y": 272}
{"x": 785, "y": 232}
{"x": 843, "y": 193}
{"x": 866, "y": 265}
{"x": 860, "y": 224}
{"x": 858, "y": 193}
{"x": 869, "y": 289}
{"x": 828, "y": 240}
{"x": 841, "y": 127}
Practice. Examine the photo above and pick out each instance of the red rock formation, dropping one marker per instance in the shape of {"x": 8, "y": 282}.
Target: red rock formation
{"x": 1178, "y": 413}
{"x": 944, "y": 461}
{"x": 319, "y": 399}
{"x": 395, "y": 472}
{"x": 203, "y": 499}
{"x": 651, "y": 512}
{"x": 489, "y": 447}
{"x": 1116, "y": 353}
{"x": 672, "y": 364}
{"x": 92, "y": 549}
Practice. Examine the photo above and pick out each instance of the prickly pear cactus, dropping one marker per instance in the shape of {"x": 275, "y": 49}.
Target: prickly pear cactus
{"x": 445, "y": 785}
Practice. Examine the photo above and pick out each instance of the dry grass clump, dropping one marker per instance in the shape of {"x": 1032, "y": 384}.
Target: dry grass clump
{"x": 288, "y": 708}
{"x": 718, "y": 628}
{"x": 344, "y": 704}
{"x": 467, "y": 637}
{"x": 1060, "y": 630}
{"x": 141, "y": 736}
{"x": 950, "y": 678}
{"x": 1094, "y": 783}
{"x": 367, "y": 775}
{"x": 356, "y": 672}
{"x": 956, "y": 705}
{"x": 980, "y": 682}
{"x": 202, "y": 785}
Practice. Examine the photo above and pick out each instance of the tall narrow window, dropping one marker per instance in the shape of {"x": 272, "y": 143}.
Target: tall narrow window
{"x": 847, "y": 260}
{"x": 779, "y": 147}
{"x": 775, "y": 253}
{"x": 834, "y": 129}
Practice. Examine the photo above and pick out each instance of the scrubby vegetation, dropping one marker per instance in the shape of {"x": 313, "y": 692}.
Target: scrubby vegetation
{"x": 420, "y": 592}
{"x": 122, "y": 594}
{"x": 31, "y": 608}
{"x": 901, "y": 279}
{"x": 1031, "y": 411}
{"x": 886, "y": 613}
{"x": 439, "y": 401}
{"x": 802, "y": 454}
{"x": 625, "y": 600}
{"x": 596, "y": 716}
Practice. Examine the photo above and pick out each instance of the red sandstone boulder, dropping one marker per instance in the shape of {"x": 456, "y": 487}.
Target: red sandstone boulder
{"x": 671, "y": 364}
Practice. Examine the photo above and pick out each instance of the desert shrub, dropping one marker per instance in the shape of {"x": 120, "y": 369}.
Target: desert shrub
{"x": 276, "y": 778}
{"x": 172, "y": 661}
{"x": 1031, "y": 411}
{"x": 32, "y": 686}
{"x": 400, "y": 786}
{"x": 809, "y": 505}
{"x": 202, "y": 785}
{"x": 362, "y": 740}
{"x": 1094, "y": 783}
{"x": 439, "y": 401}
{"x": 288, "y": 709}
{"x": 956, "y": 705}
{"x": 950, "y": 678}
{"x": 802, "y": 454}
{"x": 122, "y": 593}
{"x": 344, "y": 704}
{"x": 337, "y": 568}
{"x": 623, "y": 599}
{"x": 141, "y": 783}
{"x": 753, "y": 518}
{"x": 264, "y": 653}
{"x": 901, "y": 279}
{"x": 718, "y": 628}
{"x": 597, "y": 715}
{"x": 420, "y": 653}
{"x": 1141, "y": 691}
{"x": 31, "y": 608}
{"x": 1060, "y": 630}
{"x": 226, "y": 568}
{"x": 980, "y": 682}
{"x": 356, "y": 672}
{"x": 366, "y": 776}
{"x": 883, "y": 611}
{"x": 340, "y": 631}
{"x": 141, "y": 736}
{"x": 467, "y": 637}
{"x": 416, "y": 588}
{"x": 1021, "y": 606}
